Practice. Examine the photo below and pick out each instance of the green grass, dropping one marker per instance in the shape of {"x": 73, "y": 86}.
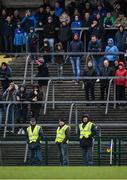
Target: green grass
{"x": 63, "y": 172}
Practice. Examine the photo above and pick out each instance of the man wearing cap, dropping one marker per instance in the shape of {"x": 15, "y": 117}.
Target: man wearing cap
{"x": 62, "y": 140}
{"x": 34, "y": 140}
{"x": 87, "y": 131}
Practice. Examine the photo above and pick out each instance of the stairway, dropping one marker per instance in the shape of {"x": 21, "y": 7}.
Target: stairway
{"x": 64, "y": 91}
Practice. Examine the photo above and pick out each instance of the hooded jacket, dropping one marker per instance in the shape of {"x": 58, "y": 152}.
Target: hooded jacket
{"x": 121, "y": 73}
{"x": 111, "y": 48}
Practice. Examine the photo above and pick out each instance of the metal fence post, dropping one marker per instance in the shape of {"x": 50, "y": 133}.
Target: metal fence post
{"x": 46, "y": 152}
{"x": 99, "y": 151}
{"x": 115, "y": 151}
{"x": 119, "y": 155}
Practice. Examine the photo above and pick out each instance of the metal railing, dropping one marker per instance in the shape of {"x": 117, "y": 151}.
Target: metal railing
{"x": 108, "y": 96}
{"x": 26, "y": 69}
{"x": 47, "y": 95}
{"x": 6, "y": 120}
{"x": 73, "y": 105}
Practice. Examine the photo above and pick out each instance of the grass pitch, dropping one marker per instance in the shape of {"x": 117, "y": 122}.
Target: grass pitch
{"x": 63, "y": 172}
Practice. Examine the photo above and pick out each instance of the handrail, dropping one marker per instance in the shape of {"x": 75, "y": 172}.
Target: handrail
{"x": 26, "y": 67}
{"x": 108, "y": 96}
{"x": 6, "y": 120}
{"x": 26, "y": 152}
{"x": 46, "y": 98}
{"x": 76, "y": 116}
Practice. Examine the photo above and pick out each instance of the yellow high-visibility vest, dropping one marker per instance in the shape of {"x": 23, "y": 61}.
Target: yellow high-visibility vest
{"x": 86, "y": 131}
{"x": 33, "y": 136}
{"x": 60, "y": 134}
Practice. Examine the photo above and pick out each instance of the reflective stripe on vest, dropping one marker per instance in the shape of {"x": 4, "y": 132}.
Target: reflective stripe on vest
{"x": 60, "y": 134}
{"x": 33, "y": 136}
{"x": 86, "y": 131}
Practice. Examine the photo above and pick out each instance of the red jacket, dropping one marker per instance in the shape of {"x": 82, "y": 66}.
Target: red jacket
{"x": 121, "y": 73}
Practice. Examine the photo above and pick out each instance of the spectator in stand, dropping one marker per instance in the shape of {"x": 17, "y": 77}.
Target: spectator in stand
{"x": 99, "y": 10}
{"x": 58, "y": 9}
{"x": 96, "y": 29}
{"x": 95, "y": 46}
{"x": 10, "y": 95}
{"x": 55, "y": 18}
{"x": 46, "y": 3}
{"x": 40, "y": 16}
{"x": 89, "y": 85}
{"x": 5, "y": 72}
{"x": 99, "y": 19}
{"x": 19, "y": 38}
{"x": 47, "y": 12}
{"x": 87, "y": 20}
{"x": 120, "y": 82}
{"x": 76, "y": 23}
{"x": 16, "y": 18}
{"x": 1, "y": 109}
{"x": 34, "y": 96}
{"x": 32, "y": 43}
{"x": 46, "y": 49}
{"x": 42, "y": 72}
{"x": 29, "y": 21}
{"x": 22, "y": 109}
{"x": 84, "y": 7}
{"x": 109, "y": 20}
{"x": 64, "y": 35}
{"x": 106, "y": 71}
{"x": 115, "y": 67}
{"x": 8, "y": 35}
{"x": 71, "y": 8}
{"x": 121, "y": 20}
{"x": 111, "y": 48}
{"x": 65, "y": 18}
{"x": 59, "y": 59}
{"x": 120, "y": 38}
{"x": 2, "y": 22}
{"x": 76, "y": 45}
{"x": 50, "y": 33}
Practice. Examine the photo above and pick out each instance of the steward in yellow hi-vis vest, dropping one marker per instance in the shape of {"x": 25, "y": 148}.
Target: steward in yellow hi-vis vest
{"x": 62, "y": 140}
{"x": 34, "y": 140}
{"x": 87, "y": 131}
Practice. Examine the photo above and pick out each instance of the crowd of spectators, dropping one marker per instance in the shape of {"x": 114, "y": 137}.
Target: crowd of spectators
{"x": 60, "y": 32}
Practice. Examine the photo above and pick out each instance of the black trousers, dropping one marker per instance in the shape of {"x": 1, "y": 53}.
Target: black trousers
{"x": 120, "y": 93}
{"x": 104, "y": 92}
{"x": 90, "y": 91}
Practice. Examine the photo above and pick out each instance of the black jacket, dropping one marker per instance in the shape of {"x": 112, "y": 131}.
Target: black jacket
{"x": 43, "y": 72}
{"x": 64, "y": 33}
{"x": 49, "y": 30}
{"x": 89, "y": 72}
{"x": 88, "y": 142}
{"x": 32, "y": 95}
{"x": 105, "y": 72}
{"x": 23, "y": 97}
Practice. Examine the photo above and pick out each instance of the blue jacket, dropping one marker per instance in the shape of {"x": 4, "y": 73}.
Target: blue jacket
{"x": 76, "y": 24}
{"x": 111, "y": 48}
{"x": 58, "y": 11}
{"x": 75, "y": 46}
{"x": 19, "y": 37}
{"x": 28, "y": 22}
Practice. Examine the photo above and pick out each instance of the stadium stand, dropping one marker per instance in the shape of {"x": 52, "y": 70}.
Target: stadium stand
{"x": 65, "y": 98}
